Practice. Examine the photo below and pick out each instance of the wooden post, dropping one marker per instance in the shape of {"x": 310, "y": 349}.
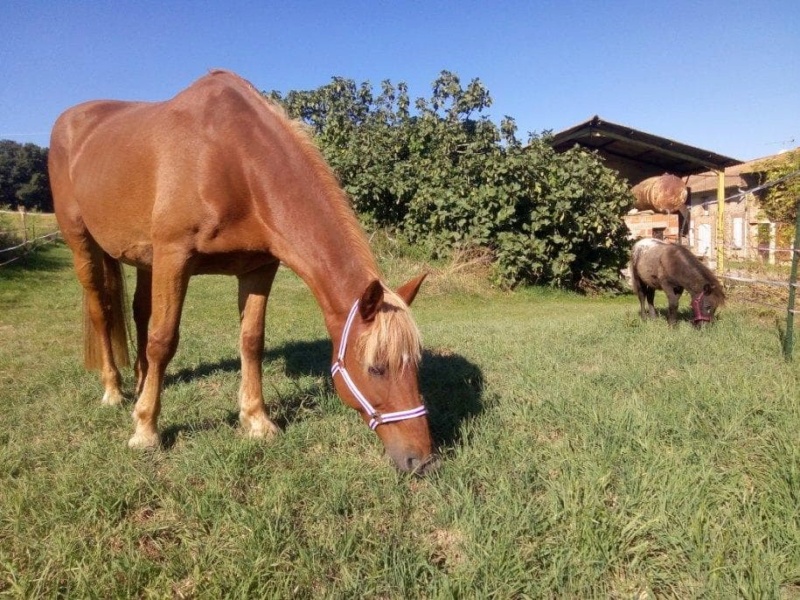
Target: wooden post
{"x": 788, "y": 337}
{"x": 720, "y": 222}
{"x": 22, "y": 217}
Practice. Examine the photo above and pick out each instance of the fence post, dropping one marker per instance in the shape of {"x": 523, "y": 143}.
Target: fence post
{"x": 788, "y": 339}
{"x": 720, "y": 237}
{"x": 22, "y": 219}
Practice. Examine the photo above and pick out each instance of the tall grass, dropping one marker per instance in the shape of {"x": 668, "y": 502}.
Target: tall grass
{"x": 587, "y": 455}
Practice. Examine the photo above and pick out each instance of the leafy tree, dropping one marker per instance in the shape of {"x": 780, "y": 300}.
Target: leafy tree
{"x": 780, "y": 201}
{"x": 23, "y": 176}
{"x": 446, "y": 177}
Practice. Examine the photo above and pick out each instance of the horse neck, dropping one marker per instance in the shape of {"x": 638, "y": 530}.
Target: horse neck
{"x": 330, "y": 253}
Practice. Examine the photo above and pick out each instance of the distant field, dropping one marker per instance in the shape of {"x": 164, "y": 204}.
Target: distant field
{"x": 586, "y": 455}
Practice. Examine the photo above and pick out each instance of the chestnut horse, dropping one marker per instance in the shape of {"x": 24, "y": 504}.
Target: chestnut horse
{"x": 672, "y": 268}
{"x": 219, "y": 180}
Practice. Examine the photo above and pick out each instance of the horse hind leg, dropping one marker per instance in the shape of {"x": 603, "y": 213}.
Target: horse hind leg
{"x": 254, "y": 289}
{"x": 142, "y": 307}
{"x": 105, "y": 332}
{"x": 650, "y": 295}
{"x": 645, "y": 295}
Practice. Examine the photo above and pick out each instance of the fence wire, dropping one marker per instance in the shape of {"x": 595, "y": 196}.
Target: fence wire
{"x": 29, "y": 246}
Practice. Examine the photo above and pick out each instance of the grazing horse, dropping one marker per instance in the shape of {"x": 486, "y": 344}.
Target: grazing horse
{"x": 672, "y": 268}
{"x": 219, "y": 180}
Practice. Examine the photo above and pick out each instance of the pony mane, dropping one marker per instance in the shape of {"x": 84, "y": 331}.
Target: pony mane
{"x": 327, "y": 182}
{"x": 392, "y": 340}
{"x": 691, "y": 261}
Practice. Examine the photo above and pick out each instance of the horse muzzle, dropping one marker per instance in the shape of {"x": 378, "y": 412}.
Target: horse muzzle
{"x": 415, "y": 465}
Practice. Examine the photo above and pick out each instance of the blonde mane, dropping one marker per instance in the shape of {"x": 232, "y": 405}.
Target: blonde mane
{"x": 393, "y": 340}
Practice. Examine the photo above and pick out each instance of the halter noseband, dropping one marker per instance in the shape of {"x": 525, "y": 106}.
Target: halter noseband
{"x": 698, "y": 313}
{"x": 376, "y": 418}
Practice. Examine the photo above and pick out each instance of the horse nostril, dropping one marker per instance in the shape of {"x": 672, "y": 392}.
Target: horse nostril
{"x": 423, "y": 467}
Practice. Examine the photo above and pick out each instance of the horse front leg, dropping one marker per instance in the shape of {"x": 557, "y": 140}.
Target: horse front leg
{"x": 254, "y": 289}
{"x": 169, "y": 282}
{"x": 142, "y": 307}
{"x": 673, "y": 297}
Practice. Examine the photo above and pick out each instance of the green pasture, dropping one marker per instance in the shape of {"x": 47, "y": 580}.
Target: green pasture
{"x": 587, "y": 454}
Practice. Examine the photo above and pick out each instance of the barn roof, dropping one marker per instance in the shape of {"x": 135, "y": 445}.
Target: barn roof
{"x": 633, "y": 151}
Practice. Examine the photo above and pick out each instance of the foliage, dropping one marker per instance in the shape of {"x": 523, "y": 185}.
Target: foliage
{"x": 780, "y": 201}
{"x": 448, "y": 179}
{"x": 23, "y": 176}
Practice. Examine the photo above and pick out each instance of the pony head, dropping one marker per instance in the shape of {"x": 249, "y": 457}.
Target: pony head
{"x": 376, "y": 372}
{"x": 705, "y": 304}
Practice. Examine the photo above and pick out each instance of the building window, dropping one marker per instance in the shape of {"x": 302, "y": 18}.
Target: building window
{"x": 658, "y": 232}
{"x": 738, "y": 232}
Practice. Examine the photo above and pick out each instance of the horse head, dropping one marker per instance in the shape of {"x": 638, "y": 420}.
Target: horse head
{"x": 705, "y": 304}
{"x": 375, "y": 371}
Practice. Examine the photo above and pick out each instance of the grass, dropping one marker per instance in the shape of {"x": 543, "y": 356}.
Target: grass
{"x": 587, "y": 455}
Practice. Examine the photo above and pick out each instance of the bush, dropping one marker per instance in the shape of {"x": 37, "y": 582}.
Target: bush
{"x": 449, "y": 180}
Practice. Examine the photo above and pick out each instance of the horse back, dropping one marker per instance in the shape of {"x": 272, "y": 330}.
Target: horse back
{"x": 135, "y": 174}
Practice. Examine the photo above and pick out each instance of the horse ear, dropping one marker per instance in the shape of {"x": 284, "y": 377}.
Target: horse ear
{"x": 707, "y": 288}
{"x": 371, "y": 301}
{"x": 408, "y": 291}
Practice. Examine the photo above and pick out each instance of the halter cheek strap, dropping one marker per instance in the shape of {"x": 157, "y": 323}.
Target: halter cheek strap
{"x": 376, "y": 418}
{"x": 698, "y": 313}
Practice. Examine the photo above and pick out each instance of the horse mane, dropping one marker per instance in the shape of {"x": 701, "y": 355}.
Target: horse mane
{"x": 328, "y": 184}
{"x": 393, "y": 339}
{"x": 691, "y": 261}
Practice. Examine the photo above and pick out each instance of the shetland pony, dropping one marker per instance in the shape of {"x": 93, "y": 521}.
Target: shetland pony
{"x": 658, "y": 265}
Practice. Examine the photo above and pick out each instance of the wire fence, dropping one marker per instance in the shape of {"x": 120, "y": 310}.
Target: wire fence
{"x": 776, "y": 290}
{"x": 25, "y": 248}
{"x": 23, "y": 232}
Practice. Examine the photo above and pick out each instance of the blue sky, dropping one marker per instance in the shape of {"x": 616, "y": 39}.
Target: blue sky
{"x": 721, "y": 75}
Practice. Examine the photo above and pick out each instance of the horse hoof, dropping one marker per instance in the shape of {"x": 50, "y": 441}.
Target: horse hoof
{"x": 112, "y": 398}
{"x": 144, "y": 441}
{"x": 259, "y": 429}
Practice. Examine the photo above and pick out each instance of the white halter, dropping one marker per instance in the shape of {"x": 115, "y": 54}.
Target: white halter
{"x": 376, "y": 418}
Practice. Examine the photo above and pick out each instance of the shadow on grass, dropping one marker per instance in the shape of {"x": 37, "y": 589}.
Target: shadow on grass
{"x": 451, "y": 385}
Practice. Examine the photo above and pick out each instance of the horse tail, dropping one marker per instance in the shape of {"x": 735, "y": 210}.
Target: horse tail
{"x": 112, "y": 295}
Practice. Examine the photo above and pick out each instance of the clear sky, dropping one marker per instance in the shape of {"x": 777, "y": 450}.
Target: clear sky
{"x": 723, "y": 75}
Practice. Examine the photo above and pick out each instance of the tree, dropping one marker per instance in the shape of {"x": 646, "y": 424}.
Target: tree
{"x": 446, "y": 177}
{"x": 23, "y": 176}
{"x": 780, "y": 201}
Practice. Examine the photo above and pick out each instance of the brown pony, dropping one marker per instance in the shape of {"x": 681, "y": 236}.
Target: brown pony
{"x": 672, "y": 268}
{"x": 219, "y": 180}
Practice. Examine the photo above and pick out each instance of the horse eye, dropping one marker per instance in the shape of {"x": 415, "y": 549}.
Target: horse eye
{"x": 376, "y": 371}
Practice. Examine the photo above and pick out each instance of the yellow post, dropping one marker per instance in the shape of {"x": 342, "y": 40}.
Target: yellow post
{"x": 720, "y": 222}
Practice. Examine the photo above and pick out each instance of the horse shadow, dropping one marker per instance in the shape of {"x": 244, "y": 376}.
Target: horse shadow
{"x": 451, "y": 385}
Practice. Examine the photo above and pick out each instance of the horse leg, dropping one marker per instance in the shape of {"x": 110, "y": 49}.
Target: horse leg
{"x": 101, "y": 278}
{"x": 673, "y": 296}
{"x": 650, "y": 295}
{"x": 641, "y": 292}
{"x": 170, "y": 279}
{"x": 254, "y": 289}
{"x": 142, "y": 307}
